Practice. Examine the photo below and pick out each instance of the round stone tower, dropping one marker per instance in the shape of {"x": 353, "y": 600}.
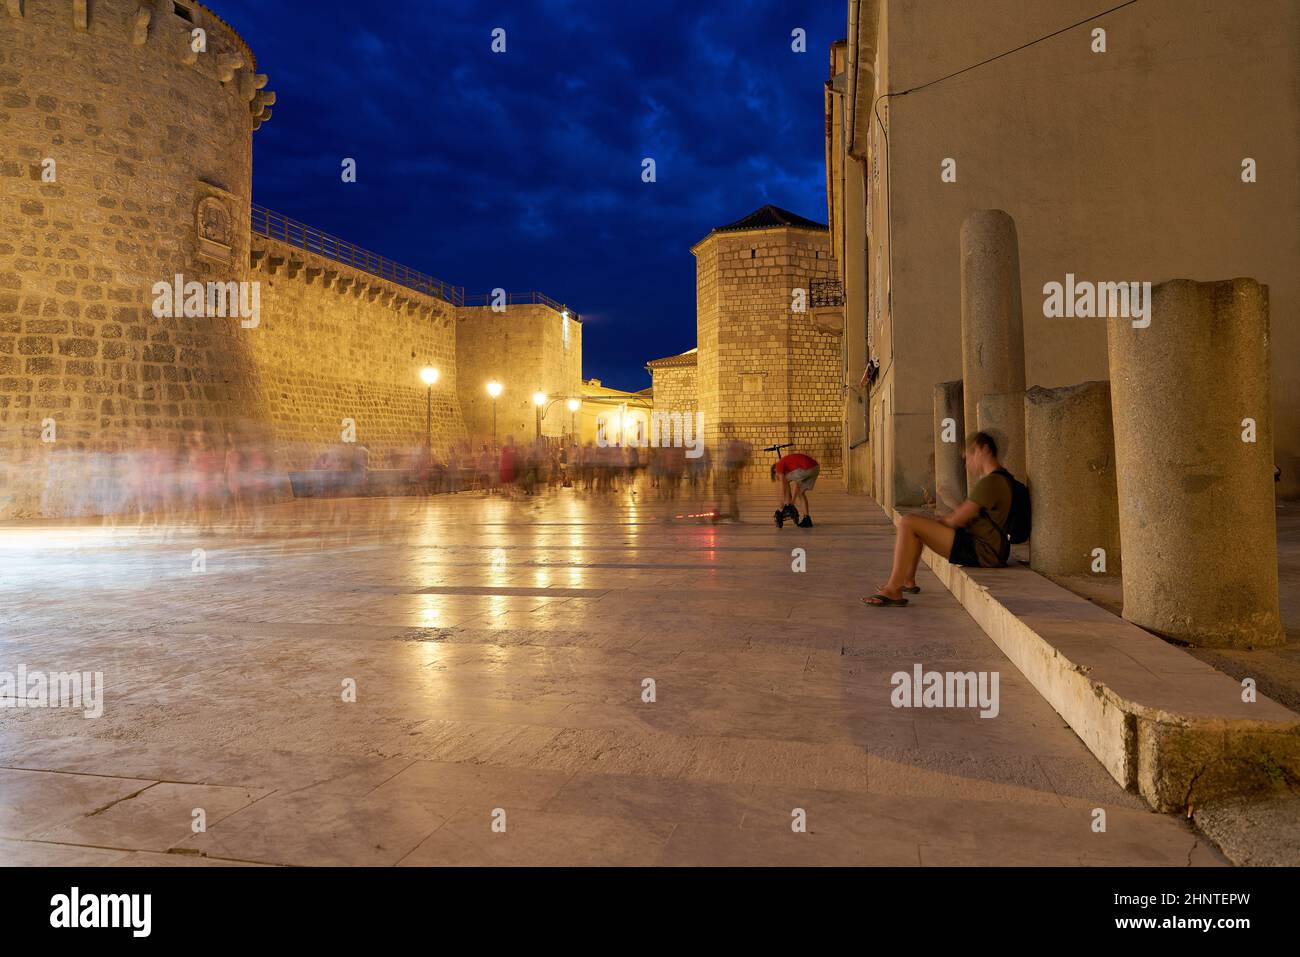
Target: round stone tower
{"x": 127, "y": 162}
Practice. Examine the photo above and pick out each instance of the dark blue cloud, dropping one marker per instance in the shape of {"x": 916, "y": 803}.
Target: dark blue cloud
{"x": 523, "y": 170}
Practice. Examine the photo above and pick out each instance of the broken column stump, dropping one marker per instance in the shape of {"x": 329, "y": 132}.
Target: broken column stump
{"x": 1070, "y": 461}
{"x": 1193, "y": 416}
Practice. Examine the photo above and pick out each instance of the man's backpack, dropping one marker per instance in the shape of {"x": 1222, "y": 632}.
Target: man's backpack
{"x": 1021, "y": 519}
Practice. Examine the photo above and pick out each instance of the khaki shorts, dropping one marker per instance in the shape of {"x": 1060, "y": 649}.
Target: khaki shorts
{"x": 805, "y": 478}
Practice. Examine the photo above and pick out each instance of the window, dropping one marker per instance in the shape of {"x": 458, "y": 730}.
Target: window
{"x": 753, "y": 254}
{"x": 183, "y": 12}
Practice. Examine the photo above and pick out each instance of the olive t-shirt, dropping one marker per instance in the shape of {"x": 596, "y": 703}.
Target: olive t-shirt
{"x": 993, "y": 494}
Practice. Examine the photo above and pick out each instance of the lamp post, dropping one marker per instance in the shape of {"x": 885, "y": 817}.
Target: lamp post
{"x": 574, "y": 405}
{"x": 494, "y": 390}
{"x": 539, "y": 400}
{"x": 429, "y": 376}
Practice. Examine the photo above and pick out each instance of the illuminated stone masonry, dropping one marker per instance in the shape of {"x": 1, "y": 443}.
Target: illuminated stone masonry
{"x": 127, "y": 161}
{"x": 112, "y": 189}
{"x": 767, "y": 368}
{"x": 675, "y": 382}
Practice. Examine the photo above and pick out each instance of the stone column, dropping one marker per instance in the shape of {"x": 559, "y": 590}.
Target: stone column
{"x": 949, "y": 463}
{"x": 1002, "y": 415}
{"x": 1070, "y": 461}
{"x": 1190, "y": 388}
{"x": 992, "y": 325}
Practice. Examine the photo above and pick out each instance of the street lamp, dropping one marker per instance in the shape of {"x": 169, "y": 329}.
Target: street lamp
{"x": 494, "y": 390}
{"x": 429, "y": 375}
{"x": 539, "y": 400}
{"x": 574, "y": 405}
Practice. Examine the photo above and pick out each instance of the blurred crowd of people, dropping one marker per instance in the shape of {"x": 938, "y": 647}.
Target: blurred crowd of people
{"x": 200, "y": 477}
{"x": 528, "y": 468}
{"x": 193, "y": 478}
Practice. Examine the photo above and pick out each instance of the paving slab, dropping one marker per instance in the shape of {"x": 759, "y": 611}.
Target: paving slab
{"x": 372, "y": 694}
{"x": 1162, "y": 722}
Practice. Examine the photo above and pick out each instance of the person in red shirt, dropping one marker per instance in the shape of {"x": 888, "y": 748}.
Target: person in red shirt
{"x": 798, "y": 474}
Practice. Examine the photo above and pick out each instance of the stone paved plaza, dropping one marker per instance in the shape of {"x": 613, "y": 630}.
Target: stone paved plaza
{"x": 499, "y": 649}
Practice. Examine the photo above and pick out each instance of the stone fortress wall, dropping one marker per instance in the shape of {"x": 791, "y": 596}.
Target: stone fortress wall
{"x": 528, "y": 348}
{"x": 151, "y": 143}
{"x": 116, "y": 139}
{"x": 335, "y": 343}
{"x": 767, "y": 374}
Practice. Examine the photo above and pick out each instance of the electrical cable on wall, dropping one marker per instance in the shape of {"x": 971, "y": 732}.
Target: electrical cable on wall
{"x": 875, "y": 110}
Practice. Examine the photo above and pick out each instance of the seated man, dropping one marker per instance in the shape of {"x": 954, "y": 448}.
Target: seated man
{"x": 967, "y": 536}
{"x": 798, "y": 475}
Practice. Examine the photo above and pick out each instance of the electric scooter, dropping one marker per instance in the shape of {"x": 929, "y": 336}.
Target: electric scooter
{"x": 782, "y": 514}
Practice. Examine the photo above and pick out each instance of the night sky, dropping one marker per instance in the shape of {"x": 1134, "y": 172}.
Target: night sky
{"x": 523, "y": 170}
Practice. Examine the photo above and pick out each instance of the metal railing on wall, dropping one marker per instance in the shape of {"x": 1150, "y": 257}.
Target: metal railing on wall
{"x": 273, "y": 225}
{"x": 523, "y": 298}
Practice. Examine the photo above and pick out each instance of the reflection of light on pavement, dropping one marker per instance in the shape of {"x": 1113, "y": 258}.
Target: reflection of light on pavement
{"x": 498, "y": 560}
{"x": 427, "y": 535}
{"x": 43, "y": 539}
{"x": 430, "y": 610}
{"x": 428, "y": 653}
{"x": 577, "y": 539}
{"x": 39, "y": 554}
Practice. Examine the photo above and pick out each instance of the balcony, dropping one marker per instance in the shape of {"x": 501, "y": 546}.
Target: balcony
{"x": 825, "y": 292}
{"x": 826, "y": 305}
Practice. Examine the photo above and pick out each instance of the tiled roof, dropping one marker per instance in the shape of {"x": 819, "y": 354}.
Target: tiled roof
{"x": 686, "y": 358}
{"x": 769, "y": 217}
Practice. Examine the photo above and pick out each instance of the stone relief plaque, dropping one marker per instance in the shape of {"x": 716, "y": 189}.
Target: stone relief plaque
{"x": 214, "y": 224}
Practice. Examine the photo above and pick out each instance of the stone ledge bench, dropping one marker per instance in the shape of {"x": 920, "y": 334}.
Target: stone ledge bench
{"x": 1163, "y": 723}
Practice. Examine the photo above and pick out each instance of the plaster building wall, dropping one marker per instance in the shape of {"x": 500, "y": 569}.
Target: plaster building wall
{"x": 337, "y": 343}
{"x": 1116, "y": 166}
{"x": 618, "y": 415}
{"x": 142, "y": 135}
{"x": 528, "y": 348}
{"x": 766, "y": 375}
{"x": 846, "y": 211}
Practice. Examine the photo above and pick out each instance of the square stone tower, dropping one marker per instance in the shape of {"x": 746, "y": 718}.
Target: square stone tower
{"x": 529, "y": 347}
{"x": 768, "y": 371}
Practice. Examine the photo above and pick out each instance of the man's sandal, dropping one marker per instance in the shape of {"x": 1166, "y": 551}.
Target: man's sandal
{"x": 911, "y": 589}
{"x": 884, "y": 601}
